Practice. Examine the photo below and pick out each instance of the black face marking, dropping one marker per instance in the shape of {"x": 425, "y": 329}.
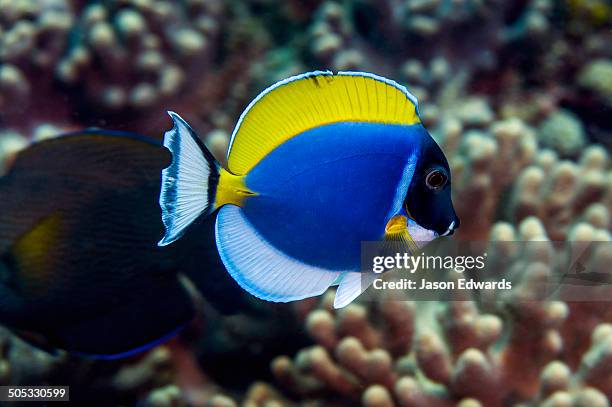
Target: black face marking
{"x": 429, "y": 195}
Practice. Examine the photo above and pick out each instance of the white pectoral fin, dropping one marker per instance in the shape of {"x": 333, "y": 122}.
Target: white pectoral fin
{"x": 351, "y": 286}
{"x": 260, "y": 268}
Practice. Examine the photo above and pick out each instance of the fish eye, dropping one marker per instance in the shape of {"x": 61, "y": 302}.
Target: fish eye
{"x": 436, "y": 179}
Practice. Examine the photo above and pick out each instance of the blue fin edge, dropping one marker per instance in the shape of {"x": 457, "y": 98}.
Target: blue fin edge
{"x": 134, "y": 351}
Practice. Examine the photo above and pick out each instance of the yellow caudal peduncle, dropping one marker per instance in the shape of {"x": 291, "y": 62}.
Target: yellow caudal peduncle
{"x": 231, "y": 189}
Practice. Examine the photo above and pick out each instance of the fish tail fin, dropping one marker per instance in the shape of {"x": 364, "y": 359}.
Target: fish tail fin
{"x": 189, "y": 184}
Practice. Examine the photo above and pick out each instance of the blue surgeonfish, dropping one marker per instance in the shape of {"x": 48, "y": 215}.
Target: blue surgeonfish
{"x": 317, "y": 164}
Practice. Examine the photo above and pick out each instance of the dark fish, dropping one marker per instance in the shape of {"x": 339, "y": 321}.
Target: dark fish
{"x": 79, "y": 266}
{"x": 113, "y": 294}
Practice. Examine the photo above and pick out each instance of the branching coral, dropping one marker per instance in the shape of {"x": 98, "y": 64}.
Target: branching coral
{"x": 59, "y": 59}
{"x": 12, "y": 141}
{"x": 597, "y": 77}
{"x": 484, "y": 164}
{"x": 33, "y": 35}
{"x": 393, "y": 353}
{"x": 152, "y": 379}
{"x": 502, "y": 170}
{"x": 132, "y": 54}
{"x": 563, "y": 192}
{"x": 331, "y": 36}
{"x": 563, "y": 132}
{"x": 21, "y": 363}
{"x": 516, "y": 93}
{"x": 518, "y": 348}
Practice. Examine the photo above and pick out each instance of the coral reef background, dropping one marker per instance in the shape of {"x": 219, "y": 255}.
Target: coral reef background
{"x": 519, "y": 95}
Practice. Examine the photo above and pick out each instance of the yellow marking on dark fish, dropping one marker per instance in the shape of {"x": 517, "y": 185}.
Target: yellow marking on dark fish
{"x": 31, "y": 251}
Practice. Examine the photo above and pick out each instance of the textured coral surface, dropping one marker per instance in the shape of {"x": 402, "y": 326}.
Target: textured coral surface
{"x": 517, "y": 93}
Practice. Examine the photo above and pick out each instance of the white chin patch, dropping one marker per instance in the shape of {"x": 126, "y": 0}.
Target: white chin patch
{"x": 419, "y": 234}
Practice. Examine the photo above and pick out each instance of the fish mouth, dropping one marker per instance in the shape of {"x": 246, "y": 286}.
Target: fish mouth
{"x": 450, "y": 230}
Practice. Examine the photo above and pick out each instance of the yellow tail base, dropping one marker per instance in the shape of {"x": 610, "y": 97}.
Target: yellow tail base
{"x": 231, "y": 189}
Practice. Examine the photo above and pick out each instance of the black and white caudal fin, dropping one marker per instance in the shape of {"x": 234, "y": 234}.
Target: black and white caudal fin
{"x": 189, "y": 184}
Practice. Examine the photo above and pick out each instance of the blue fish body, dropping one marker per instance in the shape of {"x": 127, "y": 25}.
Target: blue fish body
{"x": 325, "y": 191}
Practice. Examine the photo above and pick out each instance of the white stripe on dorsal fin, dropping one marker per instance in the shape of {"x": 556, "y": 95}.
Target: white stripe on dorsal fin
{"x": 261, "y": 269}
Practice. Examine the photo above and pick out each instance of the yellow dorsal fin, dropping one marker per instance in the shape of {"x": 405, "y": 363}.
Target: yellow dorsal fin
{"x": 303, "y": 102}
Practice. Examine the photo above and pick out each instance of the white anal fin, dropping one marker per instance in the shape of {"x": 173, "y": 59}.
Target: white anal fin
{"x": 260, "y": 268}
{"x": 351, "y": 286}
